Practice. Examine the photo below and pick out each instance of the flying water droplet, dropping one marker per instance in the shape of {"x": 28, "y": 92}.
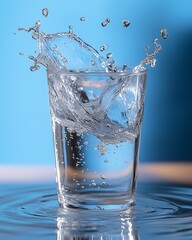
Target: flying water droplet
{"x": 147, "y": 48}
{"x": 70, "y": 29}
{"x": 109, "y": 55}
{"x": 32, "y": 58}
{"x": 82, "y": 19}
{"x": 164, "y": 33}
{"x": 34, "y": 68}
{"x": 126, "y": 23}
{"x": 105, "y": 23}
{"x": 104, "y": 47}
{"x": 124, "y": 67}
{"x": 21, "y": 53}
{"x": 45, "y": 12}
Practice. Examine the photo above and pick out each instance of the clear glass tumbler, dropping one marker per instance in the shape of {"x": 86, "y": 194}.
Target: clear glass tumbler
{"x": 96, "y": 121}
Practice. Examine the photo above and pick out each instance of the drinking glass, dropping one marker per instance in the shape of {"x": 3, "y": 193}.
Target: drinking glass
{"x": 96, "y": 123}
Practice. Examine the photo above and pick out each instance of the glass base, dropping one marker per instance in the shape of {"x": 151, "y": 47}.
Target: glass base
{"x": 91, "y": 201}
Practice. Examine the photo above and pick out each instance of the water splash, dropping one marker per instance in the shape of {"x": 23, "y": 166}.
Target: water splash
{"x": 150, "y": 56}
{"x": 35, "y": 29}
{"x": 45, "y": 12}
{"x": 126, "y": 23}
{"x": 82, "y": 105}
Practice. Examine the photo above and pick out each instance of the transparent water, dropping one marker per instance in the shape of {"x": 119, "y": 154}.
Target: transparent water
{"x": 163, "y": 211}
{"x": 93, "y": 175}
{"x": 95, "y": 118}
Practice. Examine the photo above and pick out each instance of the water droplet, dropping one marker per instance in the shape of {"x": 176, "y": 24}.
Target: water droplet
{"x": 153, "y": 62}
{"x": 14, "y": 33}
{"x": 104, "y": 47}
{"x": 82, "y": 19}
{"x": 155, "y": 40}
{"x": 32, "y": 58}
{"x": 126, "y": 23}
{"x": 106, "y": 160}
{"x": 21, "y": 53}
{"x": 70, "y": 29}
{"x": 103, "y": 177}
{"x": 34, "y": 68}
{"x": 105, "y": 23}
{"x": 92, "y": 62}
{"x": 86, "y": 143}
{"x": 108, "y": 125}
{"x": 164, "y": 33}
{"x": 109, "y": 55}
{"x": 147, "y": 48}
{"x": 124, "y": 67}
{"x": 45, "y": 12}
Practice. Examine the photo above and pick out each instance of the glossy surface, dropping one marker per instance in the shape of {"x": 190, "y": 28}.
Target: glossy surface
{"x": 163, "y": 211}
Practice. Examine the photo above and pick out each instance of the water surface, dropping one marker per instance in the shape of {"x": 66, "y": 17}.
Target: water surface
{"x": 163, "y": 211}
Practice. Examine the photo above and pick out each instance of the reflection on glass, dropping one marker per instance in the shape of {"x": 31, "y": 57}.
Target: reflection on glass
{"x": 95, "y": 224}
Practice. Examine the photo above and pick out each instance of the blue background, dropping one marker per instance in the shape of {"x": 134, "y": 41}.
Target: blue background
{"x": 25, "y": 124}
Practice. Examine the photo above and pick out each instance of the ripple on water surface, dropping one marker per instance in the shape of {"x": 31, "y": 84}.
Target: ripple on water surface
{"x": 31, "y": 212}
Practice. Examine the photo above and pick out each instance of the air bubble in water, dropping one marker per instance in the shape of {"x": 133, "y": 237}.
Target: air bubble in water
{"x": 126, "y": 23}
{"x": 101, "y": 148}
{"x": 164, "y": 33}
{"x": 82, "y": 19}
{"x": 45, "y": 12}
{"x": 105, "y": 23}
{"x": 104, "y": 47}
{"x": 103, "y": 177}
{"x": 106, "y": 160}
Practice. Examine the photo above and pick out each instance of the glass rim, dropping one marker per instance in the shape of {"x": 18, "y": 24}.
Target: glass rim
{"x": 142, "y": 71}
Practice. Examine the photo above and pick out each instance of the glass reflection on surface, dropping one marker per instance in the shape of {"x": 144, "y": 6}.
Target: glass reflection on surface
{"x": 95, "y": 224}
